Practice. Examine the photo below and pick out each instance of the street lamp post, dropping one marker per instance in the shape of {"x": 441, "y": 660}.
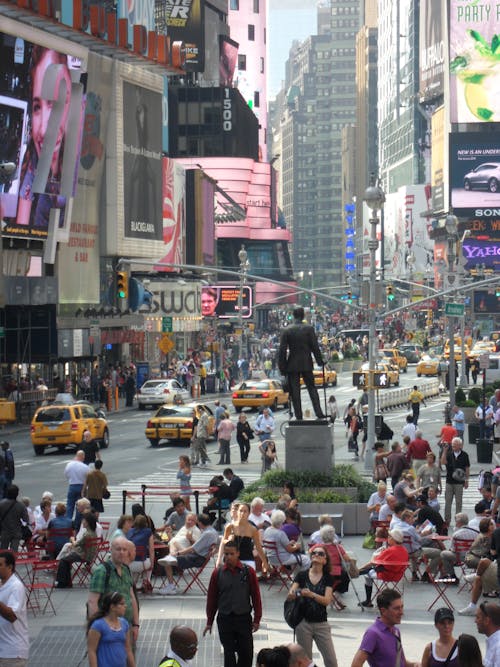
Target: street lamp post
{"x": 244, "y": 268}
{"x": 451, "y": 225}
{"x": 375, "y": 199}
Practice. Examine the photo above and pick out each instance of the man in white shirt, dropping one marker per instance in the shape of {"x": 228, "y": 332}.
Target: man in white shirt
{"x": 75, "y": 472}
{"x": 488, "y": 623}
{"x": 409, "y": 428}
{"x": 14, "y": 635}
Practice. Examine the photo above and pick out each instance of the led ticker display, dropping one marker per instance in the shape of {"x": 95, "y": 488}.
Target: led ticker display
{"x": 223, "y": 301}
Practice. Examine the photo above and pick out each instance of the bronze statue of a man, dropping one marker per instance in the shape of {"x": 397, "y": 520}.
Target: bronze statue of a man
{"x": 297, "y": 343}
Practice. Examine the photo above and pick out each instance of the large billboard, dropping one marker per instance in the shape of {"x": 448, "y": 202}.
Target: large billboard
{"x": 474, "y": 61}
{"x": 142, "y": 162}
{"x": 438, "y": 157}
{"x": 486, "y": 302}
{"x": 41, "y": 112}
{"x": 475, "y": 174}
{"x": 432, "y": 51}
{"x": 485, "y": 254}
{"x": 223, "y": 301}
{"x": 185, "y": 23}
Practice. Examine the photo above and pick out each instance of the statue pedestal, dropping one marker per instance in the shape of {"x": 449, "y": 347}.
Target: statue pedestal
{"x": 309, "y": 446}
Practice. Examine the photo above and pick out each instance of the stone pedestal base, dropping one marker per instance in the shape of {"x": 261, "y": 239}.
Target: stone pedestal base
{"x": 309, "y": 446}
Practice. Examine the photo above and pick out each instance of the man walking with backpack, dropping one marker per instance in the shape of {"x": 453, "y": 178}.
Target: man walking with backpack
{"x": 232, "y": 593}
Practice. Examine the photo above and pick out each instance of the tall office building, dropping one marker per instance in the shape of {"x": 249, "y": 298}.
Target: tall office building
{"x": 319, "y": 101}
{"x": 247, "y": 21}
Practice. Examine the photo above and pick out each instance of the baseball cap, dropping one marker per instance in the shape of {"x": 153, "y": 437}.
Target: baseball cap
{"x": 397, "y": 536}
{"x": 443, "y": 614}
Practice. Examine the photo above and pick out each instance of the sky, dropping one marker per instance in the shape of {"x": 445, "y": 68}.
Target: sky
{"x": 287, "y": 20}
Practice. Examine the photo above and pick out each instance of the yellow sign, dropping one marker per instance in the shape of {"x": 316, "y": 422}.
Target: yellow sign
{"x": 166, "y": 344}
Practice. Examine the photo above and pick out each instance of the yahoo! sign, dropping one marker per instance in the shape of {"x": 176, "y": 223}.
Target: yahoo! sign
{"x": 481, "y": 252}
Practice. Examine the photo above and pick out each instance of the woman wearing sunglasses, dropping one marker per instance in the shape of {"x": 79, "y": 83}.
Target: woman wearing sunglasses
{"x": 316, "y": 588}
{"x": 108, "y": 635}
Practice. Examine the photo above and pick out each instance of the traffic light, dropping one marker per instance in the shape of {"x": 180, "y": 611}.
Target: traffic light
{"x": 390, "y": 293}
{"x": 430, "y": 317}
{"x": 122, "y": 284}
{"x": 349, "y": 296}
{"x": 497, "y": 292}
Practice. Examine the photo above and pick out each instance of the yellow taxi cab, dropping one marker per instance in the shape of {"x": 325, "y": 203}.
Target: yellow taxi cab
{"x": 482, "y": 347}
{"x": 175, "y": 422}
{"x": 394, "y": 357}
{"x": 330, "y": 377}
{"x": 257, "y": 393}
{"x": 60, "y": 425}
{"x": 458, "y": 348}
{"x": 428, "y": 366}
{"x": 391, "y": 372}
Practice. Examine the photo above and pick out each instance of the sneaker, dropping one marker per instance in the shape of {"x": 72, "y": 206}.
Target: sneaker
{"x": 425, "y": 577}
{"x": 202, "y": 465}
{"x": 167, "y": 560}
{"x": 468, "y": 611}
{"x": 415, "y": 577}
{"x": 169, "y": 589}
{"x": 366, "y": 603}
{"x": 470, "y": 577}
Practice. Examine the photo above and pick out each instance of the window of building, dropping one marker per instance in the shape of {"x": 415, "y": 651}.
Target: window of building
{"x": 256, "y": 99}
{"x": 234, "y": 5}
{"x": 262, "y": 65}
{"x": 251, "y": 32}
{"x": 256, "y": 7}
{"x": 242, "y": 61}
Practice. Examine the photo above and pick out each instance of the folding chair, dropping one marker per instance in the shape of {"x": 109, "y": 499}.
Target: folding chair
{"x": 105, "y": 525}
{"x": 395, "y": 581}
{"x": 192, "y": 575}
{"x": 381, "y": 531}
{"x": 460, "y": 549}
{"x": 41, "y": 586}
{"x": 83, "y": 570}
{"x": 440, "y": 584}
{"x": 278, "y": 571}
{"x": 55, "y": 536}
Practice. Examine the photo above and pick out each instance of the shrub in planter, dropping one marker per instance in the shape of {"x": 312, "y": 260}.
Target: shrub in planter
{"x": 460, "y": 397}
{"x": 475, "y": 395}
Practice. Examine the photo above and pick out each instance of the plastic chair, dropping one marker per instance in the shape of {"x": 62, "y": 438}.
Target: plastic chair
{"x": 41, "y": 586}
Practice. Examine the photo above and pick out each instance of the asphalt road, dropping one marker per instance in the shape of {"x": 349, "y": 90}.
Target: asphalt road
{"x": 130, "y": 458}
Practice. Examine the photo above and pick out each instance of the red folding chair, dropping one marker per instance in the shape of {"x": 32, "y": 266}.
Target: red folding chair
{"x": 83, "y": 570}
{"x": 105, "y": 525}
{"x": 278, "y": 571}
{"x": 55, "y": 536}
{"x": 440, "y": 585}
{"x": 192, "y": 575}
{"x": 460, "y": 549}
{"x": 41, "y": 586}
{"x": 391, "y": 579}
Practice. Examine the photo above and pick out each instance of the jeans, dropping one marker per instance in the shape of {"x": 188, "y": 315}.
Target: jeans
{"x": 74, "y": 494}
{"x": 224, "y": 452}
{"x": 235, "y": 632}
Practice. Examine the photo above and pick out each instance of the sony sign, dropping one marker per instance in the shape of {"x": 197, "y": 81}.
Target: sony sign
{"x": 176, "y": 300}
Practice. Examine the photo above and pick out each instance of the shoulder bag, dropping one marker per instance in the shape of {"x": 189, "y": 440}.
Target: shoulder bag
{"x": 293, "y": 611}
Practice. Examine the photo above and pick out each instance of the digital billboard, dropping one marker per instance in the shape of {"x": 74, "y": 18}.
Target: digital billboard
{"x": 41, "y": 112}
{"x": 185, "y": 23}
{"x": 223, "y": 301}
{"x": 475, "y": 174}
{"x": 483, "y": 253}
{"x": 474, "y": 62}
{"x": 432, "y": 51}
{"x": 486, "y": 302}
{"x": 142, "y": 162}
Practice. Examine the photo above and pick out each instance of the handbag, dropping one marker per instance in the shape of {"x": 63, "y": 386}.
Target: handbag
{"x": 106, "y": 494}
{"x": 380, "y": 472}
{"x": 369, "y": 541}
{"x": 293, "y": 611}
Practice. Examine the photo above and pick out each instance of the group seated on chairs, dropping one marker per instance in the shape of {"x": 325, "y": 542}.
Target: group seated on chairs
{"x": 59, "y": 531}
{"x": 386, "y": 566}
{"x": 77, "y": 550}
{"x": 280, "y": 551}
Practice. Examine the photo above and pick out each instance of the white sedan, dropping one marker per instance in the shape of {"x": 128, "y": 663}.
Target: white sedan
{"x": 159, "y": 392}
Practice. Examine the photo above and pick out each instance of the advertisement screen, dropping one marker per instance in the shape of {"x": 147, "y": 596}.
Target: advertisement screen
{"x": 432, "y": 51}
{"x": 483, "y": 253}
{"x": 475, "y": 174}
{"x": 486, "y": 301}
{"x": 35, "y": 109}
{"x": 474, "y": 62}
{"x": 223, "y": 301}
{"x": 142, "y": 162}
{"x": 228, "y": 59}
{"x": 185, "y": 24}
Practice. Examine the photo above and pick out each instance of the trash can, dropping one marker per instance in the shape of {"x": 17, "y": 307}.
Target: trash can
{"x": 474, "y": 430}
{"x": 484, "y": 450}
{"x": 210, "y": 383}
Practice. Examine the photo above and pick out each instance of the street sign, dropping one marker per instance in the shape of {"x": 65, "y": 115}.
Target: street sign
{"x": 484, "y": 361}
{"x": 166, "y": 344}
{"x": 166, "y": 325}
{"x": 454, "y": 309}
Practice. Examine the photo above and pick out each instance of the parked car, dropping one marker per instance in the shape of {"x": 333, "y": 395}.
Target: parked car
{"x": 175, "y": 422}
{"x": 61, "y": 425}
{"x": 485, "y": 176}
{"x": 158, "y": 392}
{"x": 257, "y": 393}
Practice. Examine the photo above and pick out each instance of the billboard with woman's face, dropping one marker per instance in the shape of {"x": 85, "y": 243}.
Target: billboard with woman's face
{"x": 36, "y": 106}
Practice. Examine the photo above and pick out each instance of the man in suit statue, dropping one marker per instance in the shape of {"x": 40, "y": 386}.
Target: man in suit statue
{"x": 297, "y": 343}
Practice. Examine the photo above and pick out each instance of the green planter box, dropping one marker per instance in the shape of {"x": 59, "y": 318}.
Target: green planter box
{"x": 484, "y": 451}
